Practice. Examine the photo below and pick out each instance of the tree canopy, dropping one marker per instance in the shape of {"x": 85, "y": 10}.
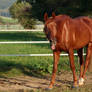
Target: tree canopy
{"x": 22, "y": 11}
{"x": 70, "y": 7}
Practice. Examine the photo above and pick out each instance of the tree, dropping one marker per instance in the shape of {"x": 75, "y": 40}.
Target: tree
{"x": 72, "y": 8}
{"x": 22, "y": 11}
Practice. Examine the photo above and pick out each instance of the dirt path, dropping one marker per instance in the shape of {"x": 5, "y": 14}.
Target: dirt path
{"x": 29, "y": 82}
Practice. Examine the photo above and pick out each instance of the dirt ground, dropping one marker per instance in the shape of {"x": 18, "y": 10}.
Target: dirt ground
{"x": 29, "y": 82}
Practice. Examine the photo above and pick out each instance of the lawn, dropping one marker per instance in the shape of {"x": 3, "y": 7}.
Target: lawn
{"x": 23, "y": 48}
{"x": 22, "y": 36}
{"x": 13, "y": 66}
{"x": 42, "y": 64}
{"x": 6, "y": 20}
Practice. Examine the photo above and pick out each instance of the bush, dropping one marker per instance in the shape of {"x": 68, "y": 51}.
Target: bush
{"x": 22, "y": 11}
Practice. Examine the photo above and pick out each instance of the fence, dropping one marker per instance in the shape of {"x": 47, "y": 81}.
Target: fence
{"x": 18, "y": 27}
{"x": 29, "y": 42}
{"x": 11, "y": 27}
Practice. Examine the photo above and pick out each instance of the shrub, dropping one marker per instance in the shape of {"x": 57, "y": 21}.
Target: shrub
{"x": 22, "y": 11}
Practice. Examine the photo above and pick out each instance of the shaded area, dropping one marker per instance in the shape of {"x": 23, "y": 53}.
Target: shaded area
{"x": 16, "y": 67}
{"x": 33, "y": 79}
{"x": 22, "y": 36}
{"x": 7, "y": 66}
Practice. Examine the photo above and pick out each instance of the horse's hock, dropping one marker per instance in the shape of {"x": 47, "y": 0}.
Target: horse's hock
{"x": 90, "y": 65}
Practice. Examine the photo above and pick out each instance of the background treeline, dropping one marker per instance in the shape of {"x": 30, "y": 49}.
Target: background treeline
{"x": 4, "y": 6}
{"x": 27, "y": 11}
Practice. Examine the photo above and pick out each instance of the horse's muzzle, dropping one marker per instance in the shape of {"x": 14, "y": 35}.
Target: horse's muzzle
{"x": 53, "y": 44}
{"x": 53, "y": 47}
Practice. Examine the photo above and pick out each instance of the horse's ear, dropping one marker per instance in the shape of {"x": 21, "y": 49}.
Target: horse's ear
{"x": 53, "y": 14}
{"x": 45, "y": 17}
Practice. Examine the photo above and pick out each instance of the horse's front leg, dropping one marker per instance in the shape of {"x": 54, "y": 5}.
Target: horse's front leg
{"x": 56, "y": 55}
{"x": 72, "y": 65}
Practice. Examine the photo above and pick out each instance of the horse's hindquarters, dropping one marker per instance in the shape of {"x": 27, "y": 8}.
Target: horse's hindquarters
{"x": 90, "y": 65}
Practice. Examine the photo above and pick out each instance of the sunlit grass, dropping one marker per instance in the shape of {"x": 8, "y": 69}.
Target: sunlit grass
{"x": 14, "y": 66}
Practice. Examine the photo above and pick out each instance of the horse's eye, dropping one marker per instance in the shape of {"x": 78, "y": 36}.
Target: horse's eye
{"x": 45, "y": 29}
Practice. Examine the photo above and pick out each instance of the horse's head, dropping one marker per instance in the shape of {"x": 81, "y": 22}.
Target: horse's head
{"x": 50, "y": 29}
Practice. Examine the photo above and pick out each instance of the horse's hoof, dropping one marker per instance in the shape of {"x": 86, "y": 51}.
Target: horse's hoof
{"x": 81, "y": 82}
{"x": 75, "y": 86}
{"x": 48, "y": 88}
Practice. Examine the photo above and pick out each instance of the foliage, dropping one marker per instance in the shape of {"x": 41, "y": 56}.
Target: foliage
{"x": 71, "y": 7}
{"x": 22, "y": 11}
{"x": 35, "y": 9}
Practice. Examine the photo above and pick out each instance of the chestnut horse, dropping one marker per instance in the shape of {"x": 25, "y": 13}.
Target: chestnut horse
{"x": 67, "y": 34}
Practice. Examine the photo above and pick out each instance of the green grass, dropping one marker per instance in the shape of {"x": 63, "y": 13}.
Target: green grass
{"x": 36, "y": 66}
{"x": 22, "y": 36}
{"x": 23, "y": 48}
{"x": 40, "y": 49}
{"x": 15, "y": 66}
{"x": 15, "y": 49}
{"x": 6, "y": 20}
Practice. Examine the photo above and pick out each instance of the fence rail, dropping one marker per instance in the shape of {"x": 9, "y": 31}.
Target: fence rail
{"x": 36, "y": 54}
{"x": 18, "y": 27}
{"x": 23, "y": 42}
{"x": 23, "y": 30}
{"x": 30, "y": 42}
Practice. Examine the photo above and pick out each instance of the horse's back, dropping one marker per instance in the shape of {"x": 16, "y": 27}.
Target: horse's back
{"x": 84, "y": 25}
{"x": 88, "y": 23}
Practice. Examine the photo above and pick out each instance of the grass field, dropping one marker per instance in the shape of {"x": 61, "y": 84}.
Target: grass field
{"x": 43, "y": 64}
{"x": 34, "y": 66}
{"x": 22, "y": 36}
{"x": 6, "y": 20}
{"x": 23, "y": 48}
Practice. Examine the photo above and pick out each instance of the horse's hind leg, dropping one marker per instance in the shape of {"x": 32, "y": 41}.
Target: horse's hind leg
{"x": 81, "y": 59}
{"x": 89, "y": 53}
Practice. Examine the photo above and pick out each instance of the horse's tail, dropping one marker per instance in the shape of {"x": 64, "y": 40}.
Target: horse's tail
{"x": 90, "y": 65}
